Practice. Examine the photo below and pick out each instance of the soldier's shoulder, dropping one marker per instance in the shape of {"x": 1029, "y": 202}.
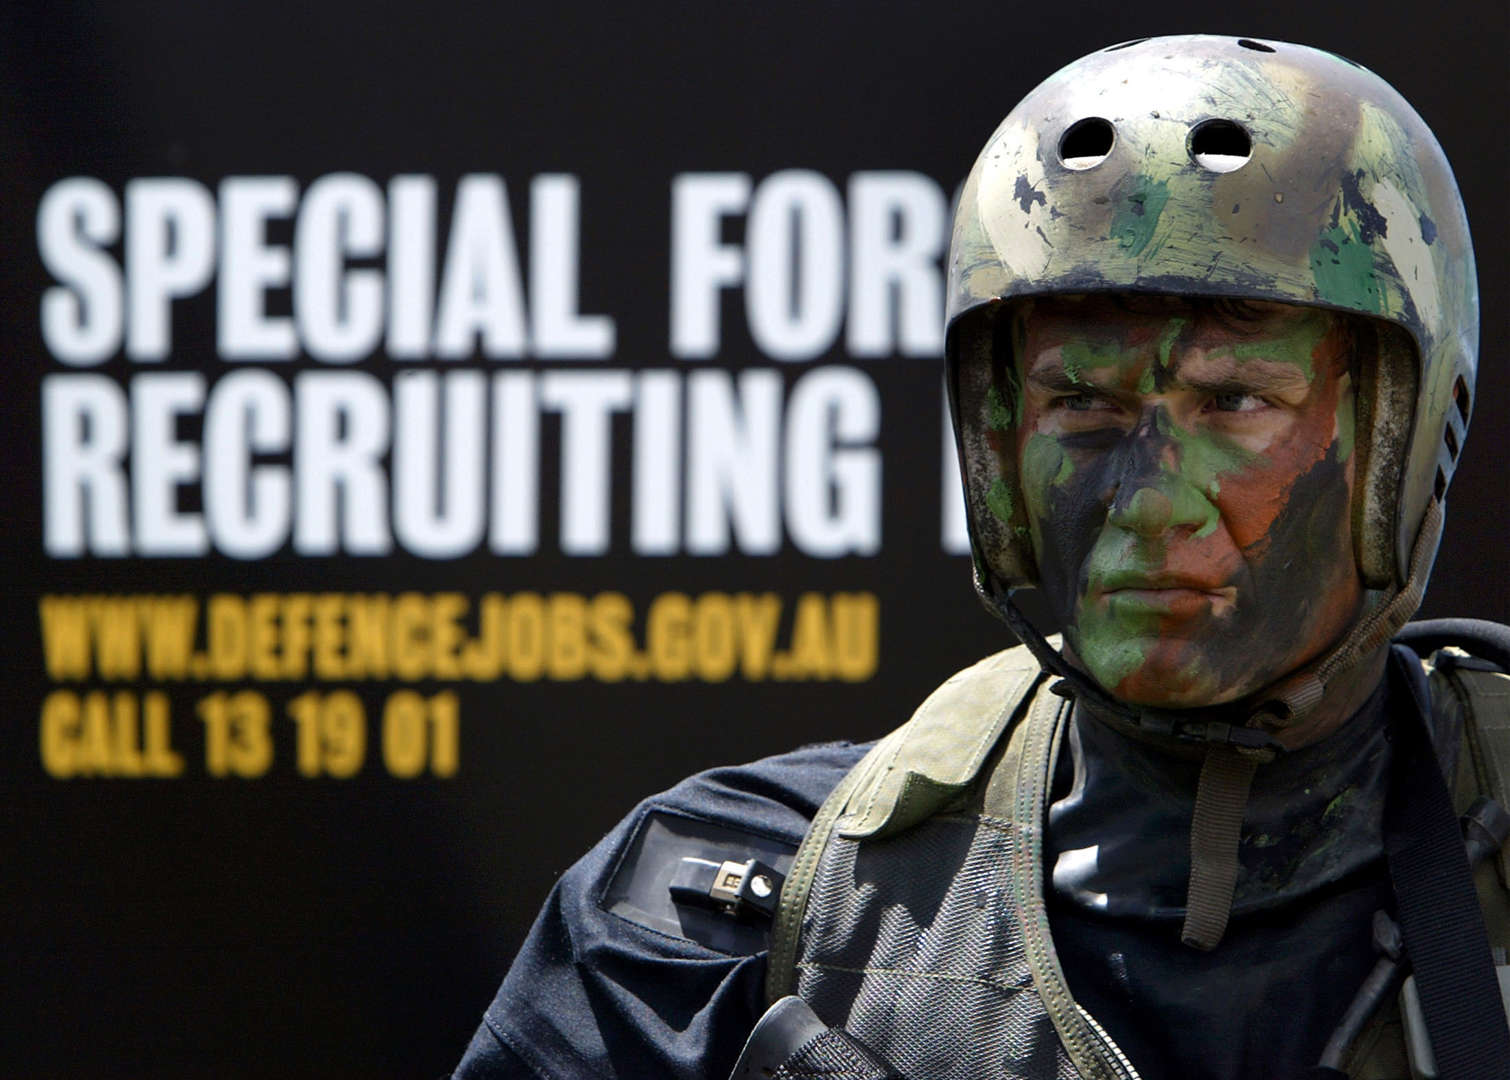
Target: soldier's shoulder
{"x": 1448, "y": 643}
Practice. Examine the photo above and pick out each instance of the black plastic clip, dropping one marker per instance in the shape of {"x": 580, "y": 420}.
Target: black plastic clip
{"x": 747, "y": 890}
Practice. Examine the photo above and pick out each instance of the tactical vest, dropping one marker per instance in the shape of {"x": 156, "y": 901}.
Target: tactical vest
{"x": 914, "y": 918}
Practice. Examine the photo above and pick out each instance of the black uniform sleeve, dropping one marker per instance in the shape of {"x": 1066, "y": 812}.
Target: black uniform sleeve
{"x": 593, "y": 993}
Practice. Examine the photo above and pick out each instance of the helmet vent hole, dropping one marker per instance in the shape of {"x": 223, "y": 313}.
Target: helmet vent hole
{"x": 1086, "y": 143}
{"x": 1460, "y": 398}
{"x": 1256, "y": 46}
{"x": 1220, "y": 145}
{"x": 1125, "y": 45}
{"x": 1452, "y": 443}
{"x": 1440, "y": 488}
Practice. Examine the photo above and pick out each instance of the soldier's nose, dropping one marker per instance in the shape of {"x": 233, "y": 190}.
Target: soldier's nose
{"x": 1147, "y": 493}
{"x": 1148, "y": 512}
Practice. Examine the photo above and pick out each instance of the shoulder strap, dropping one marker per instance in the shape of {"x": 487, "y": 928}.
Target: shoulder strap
{"x": 785, "y": 927}
{"x": 908, "y": 776}
{"x": 1484, "y": 696}
{"x": 1438, "y": 911}
{"x": 1466, "y": 695}
{"x": 1017, "y": 794}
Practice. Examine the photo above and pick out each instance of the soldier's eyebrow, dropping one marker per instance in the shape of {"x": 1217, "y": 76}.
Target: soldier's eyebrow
{"x": 1056, "y": 380}
{"x": 1226, "y": 375}
{"x": 1204, "y": 374}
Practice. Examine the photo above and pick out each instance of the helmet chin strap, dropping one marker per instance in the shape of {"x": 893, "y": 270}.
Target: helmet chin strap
{"x": 1294, "y": 697}
{"x": 1217, "y": 725}
{"x": 1233, "y": 753}
{"x": 1285, "y": 703}
{"x": 1234, "y": 734}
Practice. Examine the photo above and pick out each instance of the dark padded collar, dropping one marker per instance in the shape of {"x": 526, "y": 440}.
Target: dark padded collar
{"x": 1119, "y": 828}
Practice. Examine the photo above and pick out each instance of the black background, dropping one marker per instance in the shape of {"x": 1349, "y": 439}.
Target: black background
{"x": 287, "y": 927}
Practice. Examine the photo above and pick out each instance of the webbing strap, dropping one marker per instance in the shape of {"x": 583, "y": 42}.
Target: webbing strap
{"x": 781, "y": 964}
{"x": 905, "y": 778}
{"x": 1487, "y": 724}
{"x": 1439, "y": 916}
{"x": 1018, "y": 792}
{"x": 1221, "y": 798}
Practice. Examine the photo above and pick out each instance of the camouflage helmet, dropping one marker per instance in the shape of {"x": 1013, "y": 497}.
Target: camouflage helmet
{"x": 1208, "y": 166}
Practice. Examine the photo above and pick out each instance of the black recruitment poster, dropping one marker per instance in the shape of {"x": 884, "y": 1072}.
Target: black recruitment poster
{"x": 430, "y": 429}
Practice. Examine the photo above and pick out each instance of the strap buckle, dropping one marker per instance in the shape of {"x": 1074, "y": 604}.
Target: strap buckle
{"x": 745, "y": 890}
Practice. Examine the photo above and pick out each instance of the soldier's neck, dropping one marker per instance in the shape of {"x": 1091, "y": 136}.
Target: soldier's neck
{"x": 1345, "y": 695}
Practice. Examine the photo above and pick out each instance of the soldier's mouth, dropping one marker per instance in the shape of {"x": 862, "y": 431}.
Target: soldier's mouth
{"x": 1164, "y": 594}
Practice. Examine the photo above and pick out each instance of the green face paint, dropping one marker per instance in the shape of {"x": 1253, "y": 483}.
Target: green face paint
{"x": 1347, "y": 420}
{"x": 1082, "y": 358}
{"x": 1205, "y": 456}
{"x": 1044, "y": 466}
{"x": 1186, "y": 484}
{"x": 1167, "y": 339}
{"x": 1115, "y": 645}
{"x": 1295, "y": 344}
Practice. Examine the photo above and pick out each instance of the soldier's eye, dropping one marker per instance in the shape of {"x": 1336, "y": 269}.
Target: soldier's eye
{"x": 1236, "y": 401}
{"x": 1082, "y": 402}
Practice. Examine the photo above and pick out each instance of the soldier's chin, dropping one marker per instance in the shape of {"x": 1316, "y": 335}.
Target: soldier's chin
{"x": 1155, "y": 670}
{"x": 1172, "y": 690}
{"x": 1188, "y": 684}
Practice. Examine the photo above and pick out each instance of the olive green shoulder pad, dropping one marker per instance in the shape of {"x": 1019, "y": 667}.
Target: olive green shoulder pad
{"x": 908, "y": 776}
{"x": 931, "y": 760}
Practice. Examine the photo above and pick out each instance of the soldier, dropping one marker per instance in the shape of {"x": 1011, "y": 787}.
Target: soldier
{"x": 1211, "y": 351}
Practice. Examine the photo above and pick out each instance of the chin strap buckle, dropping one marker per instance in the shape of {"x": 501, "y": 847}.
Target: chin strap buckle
{"x": 746, "y": 890}
{"x": 1242, "y": 738}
